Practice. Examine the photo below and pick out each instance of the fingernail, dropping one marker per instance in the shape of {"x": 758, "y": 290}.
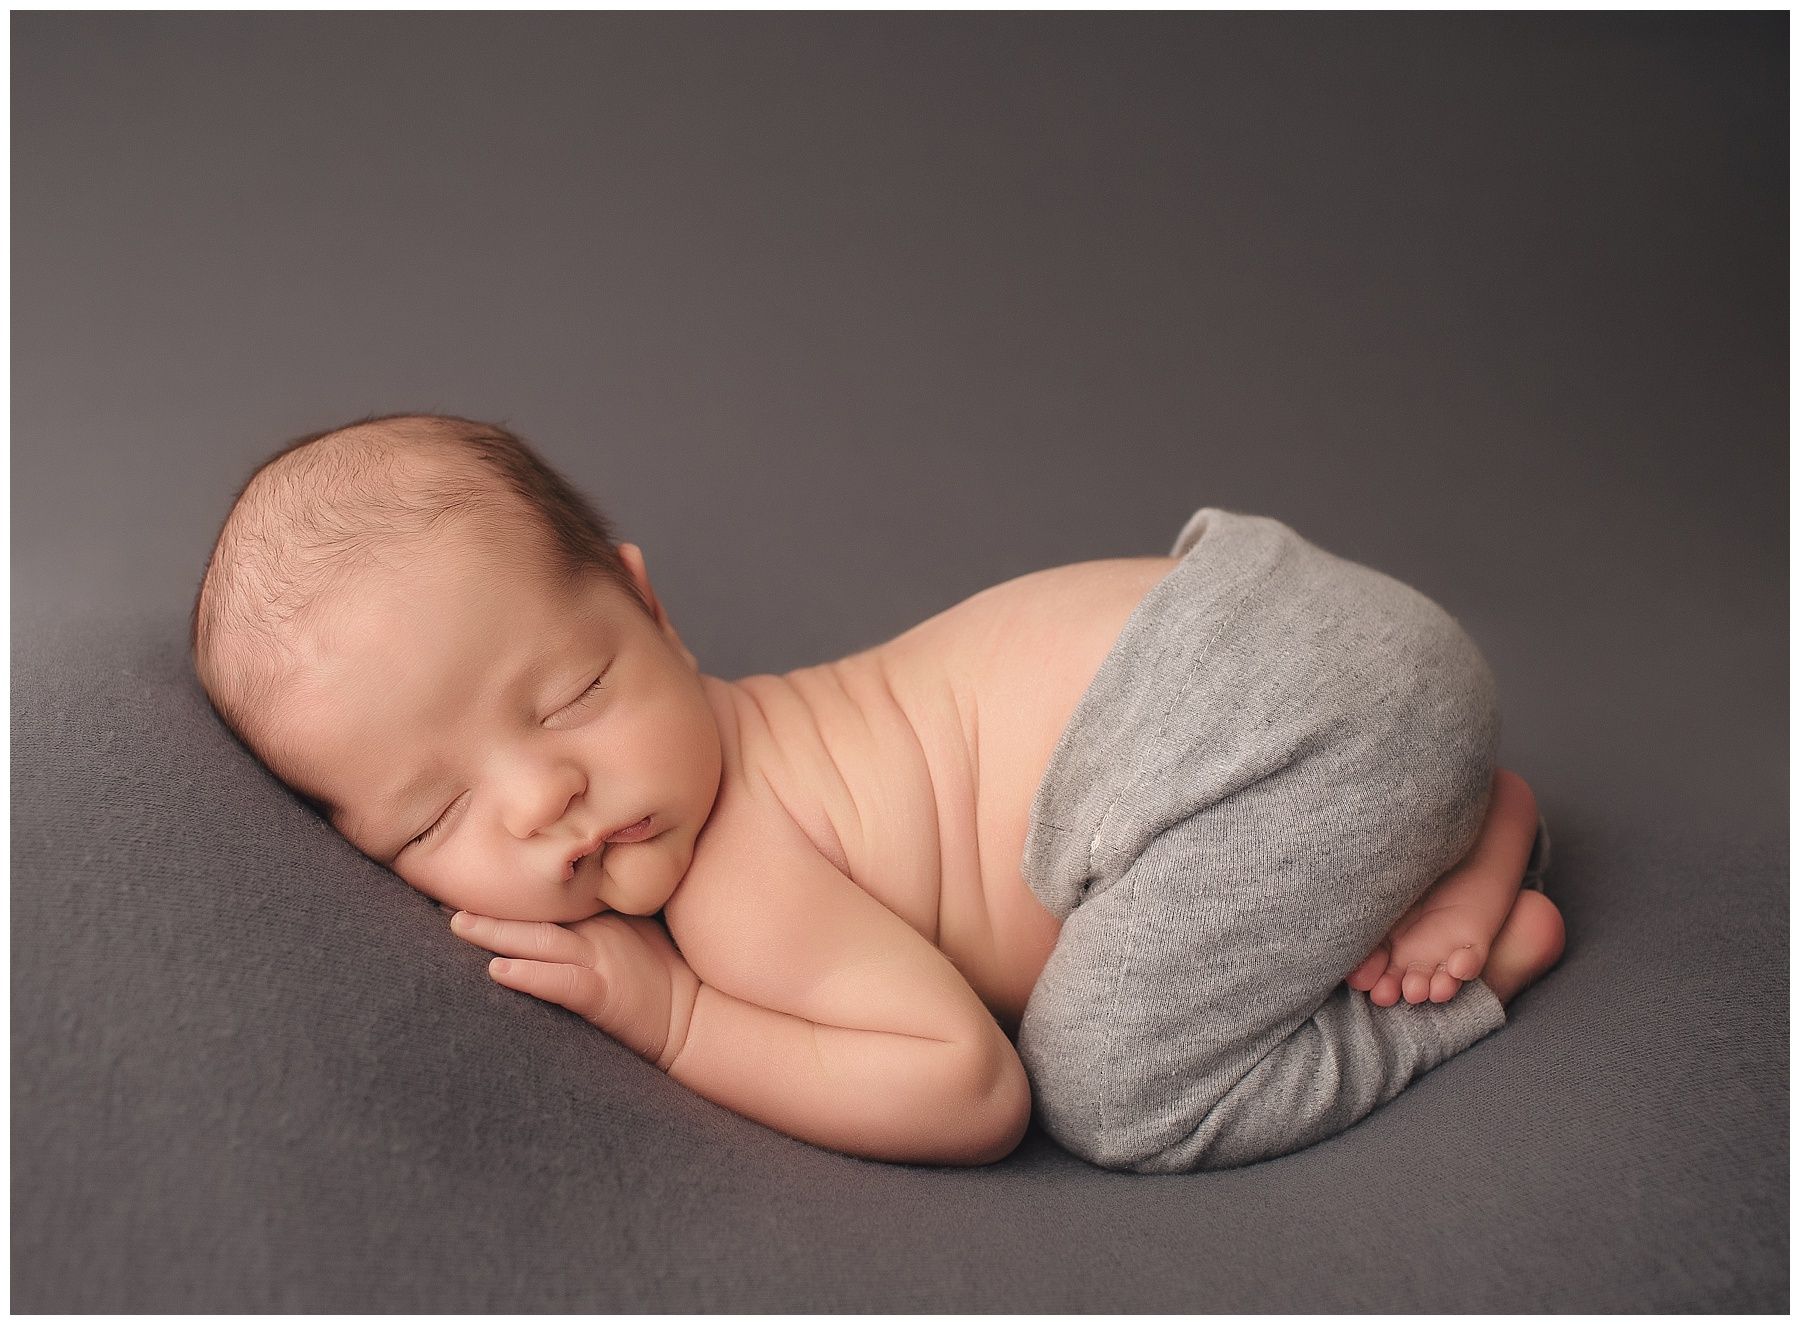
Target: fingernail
{"x": 501, "y": 966}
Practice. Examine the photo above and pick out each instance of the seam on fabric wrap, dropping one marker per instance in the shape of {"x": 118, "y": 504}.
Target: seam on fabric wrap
{"x": 1112, "y": 1010}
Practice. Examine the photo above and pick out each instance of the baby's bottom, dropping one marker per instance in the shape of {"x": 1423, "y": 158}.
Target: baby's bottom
{"x": 1281, "y": 754}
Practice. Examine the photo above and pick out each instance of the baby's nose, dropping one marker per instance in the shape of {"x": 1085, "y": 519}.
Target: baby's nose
{"x": 539, "y": 798}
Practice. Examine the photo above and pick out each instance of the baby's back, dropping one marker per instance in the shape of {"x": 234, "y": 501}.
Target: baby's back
{"x": 912, "y": 766}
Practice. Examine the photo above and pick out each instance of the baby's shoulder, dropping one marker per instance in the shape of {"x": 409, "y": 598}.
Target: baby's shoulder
{"x": 749, "y": 850}
{"x": 764, "y": 916}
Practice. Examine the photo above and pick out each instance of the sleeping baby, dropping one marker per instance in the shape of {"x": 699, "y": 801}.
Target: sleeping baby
{"x": 1201, "y": 856}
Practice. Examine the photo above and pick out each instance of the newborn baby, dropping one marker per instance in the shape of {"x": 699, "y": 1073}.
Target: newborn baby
{"x": 832, "y": 900}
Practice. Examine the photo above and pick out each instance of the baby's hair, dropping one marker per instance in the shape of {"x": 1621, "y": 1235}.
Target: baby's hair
{"x": 325, "y": 505}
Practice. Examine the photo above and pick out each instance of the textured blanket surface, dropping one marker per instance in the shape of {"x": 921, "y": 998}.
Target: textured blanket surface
{"x": 252, "y": 1071}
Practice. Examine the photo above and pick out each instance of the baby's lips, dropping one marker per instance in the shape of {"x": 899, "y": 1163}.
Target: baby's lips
{"x": 634, "y": 832}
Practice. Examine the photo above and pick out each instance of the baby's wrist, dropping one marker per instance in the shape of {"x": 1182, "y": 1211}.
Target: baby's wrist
{"x": 683, "y": 996}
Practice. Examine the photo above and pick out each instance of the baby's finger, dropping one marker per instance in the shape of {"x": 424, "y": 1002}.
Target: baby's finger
{"x": 577, "y": 988}
{"x": 534, "y": 940}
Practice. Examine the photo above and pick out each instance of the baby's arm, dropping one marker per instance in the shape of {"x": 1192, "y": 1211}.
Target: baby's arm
{"x": 809, "y": 1006}
{"x": 824, "y": 1015}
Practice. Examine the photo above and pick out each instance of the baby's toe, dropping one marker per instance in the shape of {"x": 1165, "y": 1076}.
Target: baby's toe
{"x": 1386, "y": 991}
{"x": 1416, "y": 983}
{"x": 1466, "y": 962}
{"x": 1365, "y": 976}
{"x": 1444, "y": 985}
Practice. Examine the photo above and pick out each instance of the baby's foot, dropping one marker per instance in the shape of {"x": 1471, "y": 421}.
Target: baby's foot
{"x": 1530, "y": 943}
{"x": 1429, "y": 954}
{"x": 1444, "y": 938}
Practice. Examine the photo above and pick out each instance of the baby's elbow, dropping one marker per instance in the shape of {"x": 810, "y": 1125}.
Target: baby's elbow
{"x": 998, "y": 1109}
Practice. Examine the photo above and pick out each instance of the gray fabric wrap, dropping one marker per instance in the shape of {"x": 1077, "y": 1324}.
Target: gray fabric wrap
{"x": 1281, "y": 752}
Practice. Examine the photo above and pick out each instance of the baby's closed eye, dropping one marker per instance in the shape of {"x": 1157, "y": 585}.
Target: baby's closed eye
{"x": 586, "y": 698}
{"x": 437, "y": 824}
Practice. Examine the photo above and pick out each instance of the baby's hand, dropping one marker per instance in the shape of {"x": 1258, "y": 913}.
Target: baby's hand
{"x": 620, "y": 972}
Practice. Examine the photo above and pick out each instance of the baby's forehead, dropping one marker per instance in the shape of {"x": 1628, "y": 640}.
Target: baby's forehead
{"x": 443, "y": 607}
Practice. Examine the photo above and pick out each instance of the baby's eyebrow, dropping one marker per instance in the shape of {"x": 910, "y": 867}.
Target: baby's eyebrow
{"x": 389, "y": 807}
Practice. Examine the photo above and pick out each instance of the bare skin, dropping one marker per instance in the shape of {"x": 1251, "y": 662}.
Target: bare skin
{"x": 1475, "y": 920}
{"x": 1529, "y": 944}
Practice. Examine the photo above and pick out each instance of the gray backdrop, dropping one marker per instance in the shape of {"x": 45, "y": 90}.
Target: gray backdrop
{"x": 844, "y": 317}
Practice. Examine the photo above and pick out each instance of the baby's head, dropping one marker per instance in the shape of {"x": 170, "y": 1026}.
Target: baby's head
{"x": 433, "y": 639}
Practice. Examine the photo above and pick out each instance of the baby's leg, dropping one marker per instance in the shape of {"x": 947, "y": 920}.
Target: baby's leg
{"x": 1283, "y": 756}
{"x": 1444, "y": 938}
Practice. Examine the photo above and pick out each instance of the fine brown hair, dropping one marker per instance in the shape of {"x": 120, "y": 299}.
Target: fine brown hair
{"x": 325, "y": 505}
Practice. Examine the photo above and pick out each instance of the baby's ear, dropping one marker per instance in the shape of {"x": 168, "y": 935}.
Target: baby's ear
{"x": 633, "y": 557}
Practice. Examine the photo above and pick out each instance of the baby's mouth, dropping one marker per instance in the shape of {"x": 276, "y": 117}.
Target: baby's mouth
{"x": 636, "y": 832}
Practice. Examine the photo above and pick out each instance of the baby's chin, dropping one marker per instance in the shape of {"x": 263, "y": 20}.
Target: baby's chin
{"x": 639, "y": 878}
{"x": 633, "y": 901}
